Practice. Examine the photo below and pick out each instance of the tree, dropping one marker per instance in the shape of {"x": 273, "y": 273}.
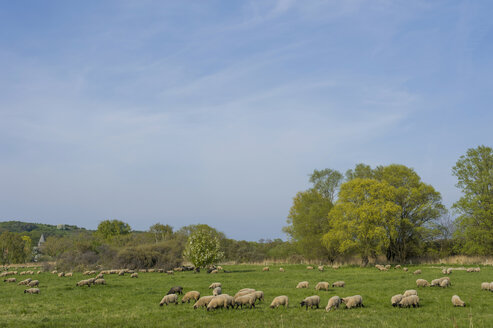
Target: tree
{"x": 161, "y": 232}
{"x": 12, "y": 248}
{"x": 203, "y": 248}
{"x": 326, "y": 182}
{"x": 474, "y": 172}
{"x": 109, "y": 229}
{"x": 361, "y": 171}
{"x": 363, "y": 219}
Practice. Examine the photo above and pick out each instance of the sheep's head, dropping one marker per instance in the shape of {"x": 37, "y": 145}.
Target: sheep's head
{"x": 302, "y": 303}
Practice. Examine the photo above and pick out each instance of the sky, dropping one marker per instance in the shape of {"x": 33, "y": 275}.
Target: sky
{"x": 216, "y": 112}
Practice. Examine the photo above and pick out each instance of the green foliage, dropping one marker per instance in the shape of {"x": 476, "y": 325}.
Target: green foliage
{"x": 161, "y": 232}
{"x": 326, "y": 182}
{"x": 474, "y": 172}
{"x": 203, "y": 248}
{"x": 111, "y": 229}
{"x": 361, "y": 171}
{"x": 13, "y": 248}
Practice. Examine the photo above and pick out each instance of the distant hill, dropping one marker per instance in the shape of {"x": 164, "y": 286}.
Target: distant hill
{"x": 34, "y": 230}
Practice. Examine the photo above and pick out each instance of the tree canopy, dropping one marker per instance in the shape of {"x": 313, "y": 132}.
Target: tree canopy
{"x": 203, "y": 248}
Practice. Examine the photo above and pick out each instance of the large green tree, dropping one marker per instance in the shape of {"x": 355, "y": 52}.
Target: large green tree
{"x": 13, "y": 248}
{"x": 474, "y": 172}
{"x": 203, "y": 248}
{"x": 110, "y": 229}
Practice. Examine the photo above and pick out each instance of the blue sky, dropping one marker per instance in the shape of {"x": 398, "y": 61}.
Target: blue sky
{"x": 215, "y": 112}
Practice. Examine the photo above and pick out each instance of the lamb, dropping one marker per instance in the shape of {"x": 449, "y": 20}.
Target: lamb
{"x": 134, "y": 275}
{"x": 311, "y": 301}
{"x": 324, "y": 285}
{"x": 303, "y": 284}
{"x": 396, "y": 299}
{"x": 215, "y": 285}
{"x": 265, "y": 269}
{"x": 99, "y": 282}
{"x": 410, "y": 292}
{"x": 309, "y": 267}
{"x": 217, "y": 291}
{"x": 203, "y": 301}
{"x": 192, "y": 295}
{"x": 353, "y": 301}
{"x": 10, "y": 280}
{"x": 456, "y": 301}
{"x": 412, "y": 300}
{"x": 167, "y": 299}
{"x": 417, "y": 272}
{"x": 445, "y": 283}
{"x": 484, "y": 286}
{"x": 281, "y": 269}
{"x": 175, "y": 290}
{"x": 422, "y": 283}
{"x": 33, "y": 283}
{"x": 278, "y": 301}
{"x": 248, "y": 299}
{"x": 25, "y": 282}
{"x": 31, "y": 291}
{"x": 339, "y": 284}
{"x": 334, "y": 302}
{"x": 86, "y": 282}
{"x": 320, "y": 268}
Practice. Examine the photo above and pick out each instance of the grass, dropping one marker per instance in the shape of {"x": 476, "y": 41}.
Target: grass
{"x": 126, "y": 302}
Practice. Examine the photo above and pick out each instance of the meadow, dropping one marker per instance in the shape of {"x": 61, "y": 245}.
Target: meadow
{"x": 126, "y": 302}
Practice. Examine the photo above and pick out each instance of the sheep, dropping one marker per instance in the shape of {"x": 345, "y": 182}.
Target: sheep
{"x": 121, "y": 273}
{"x": 244, "y": 292}
{"x": 484, "y": 286}
{"x": 412, "y": 300}
{"x": 396, "y": 299}
{"x": 31, "y": 291}
{"x": 192, "y": 295}
{"x": 445, "y": 278}
{"x": 478, "y": 269}
{"x": 99, "y": 282}
{"x": 456, "y": 301}
{"x": 134, "y": 275}
{"x": 410, "y": 292}
{"x": 229, "y": 301}
{"x": 167, "y": 299}
{"x": 422, "y": 283}
{"x": 61, "y": 274}
{"x": 309, "y": 267}
{"x": 221, "y": 301}
{"x": 150, "y": 270}
{"x": 214, "y": 271}
{"x": 170, "y": 272}
{"x": 335, "y": 267}
{"x": 219, "y": 268}
{"x": 388, "y": 266}
{"x": 69, "y": 274}
{"x": 334, "y": 302}
{"x": 281, "y": 269}
{"x": 339, "y": 284}
{"x": 398, "y": 266}
{"x": 91, "y": 280}
{"x": 22, "y": 273}
{"x": 100, "y": 276}
{"x": 81, "y": 283}
{"x": 203, "y": 301}
{"x": 215, "y": 285}
{"x": 320, "y": 268}
{"x": 248, "y": 299}
{"x": 25, "y": 282}
{"x": 417, "y": 272}
{"x": 259, "y": 295}
{"x": 33, "y": 283}
{"x": 322, "y": 285}
{"x": 175, "y": 290}
{"x": 311, "y": 301}
{"x": 217, "y": 291}
{"x": 445, "y": 283}
{"x": 265, "y": 269}
{"x": 353, "y": 301}
{"x": 435, "y": 282}
{"x": 405, "y": 269}
{"x": 278, "y": 301}
{"x": 10, "y": 280}
{"x": 449, "y": 271}
{"x": 302, "y": 284}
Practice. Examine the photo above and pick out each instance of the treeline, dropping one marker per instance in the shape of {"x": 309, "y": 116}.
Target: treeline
{"x": 388, "y": 211}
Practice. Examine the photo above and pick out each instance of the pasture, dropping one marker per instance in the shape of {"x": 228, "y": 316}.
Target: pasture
{"x": 126, "y": 302}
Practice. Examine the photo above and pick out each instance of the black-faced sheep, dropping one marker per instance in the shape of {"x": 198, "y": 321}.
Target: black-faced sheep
{"x": 248, "y": 299}
{"x": 215, "y": 285}
{"x": 100, "y": 281}
{"x": 323, "y": 285}
{"x": 10, "y": 280}
{"x": 456, "y": 301}
{"x": 302, "y": 284}
{"x": 422, "y": 283}
{"x": 86, "y": 282}
{"x": 311, "y": 301}
{"x": 25, "y": 282}
{"x": 175, "y": 290}
{"x": 167, "y": 299}
{"x": 334, "y": 302}
{"x": 396, "y": 299}
{"x": 339, "y": 284}
{"x": 259, "y": 295}
{"x": 278, "y": 301}
{"x": 444, "y": 283}
{"x": 203, "y": 301}
{"x": 320, "y": 268}
{"x": 408, "y": 301}
{"x": 192, "y": 295}
{"x": 33, "y": 283}
{"x": 31, "y": 291}
{"x": 484, "y": 286}
{"x": 134, "y": 275}
{"x": 353, "y": 301}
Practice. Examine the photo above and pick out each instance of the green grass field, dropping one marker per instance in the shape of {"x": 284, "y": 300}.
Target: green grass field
{"x": 126, "y": 302}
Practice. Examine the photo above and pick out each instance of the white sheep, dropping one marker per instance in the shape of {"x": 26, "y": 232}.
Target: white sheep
{"x": 302, "y": 284}
{"x": 417, "y": 272}
{"x": 410, "y": 292}
{"x": 339, "y": 284}
{"x": 203, "y": 301}
{"x": 217, "y": 291}
{"x": 265, "y": 269}
{"x": 422, "y": 283}
{"x": 278, "y": 301}
{"x": 100, "y": 281}
{"x": 281, "y": 269}
{"x": 134, "y": 275}
{"x": 191, "y": 295}
{"x": 167, "y": 299}
{"x": 323, "y": 285}
{"x": 412, "y": 300}
{"x": 86, "y": 282}
{"x": 353, "y": 301}
{"x": 215, "y": 285}
{"x": 33, "y": 283}
{"x": 320, "y": 268}
{"x": 309, "y": 267}
{"x": 311, "y": 301}
{"x": 259, "y": 295}
{"x": 334, "y": 302}
{"x": 31, "y": 291}
{"x": 396, "y": 299}
{"x": 444, "y": 283}
{"x": 10, "y": 280}
{"x": 25, "y": 282}
{"x": 456, "y": 301}
{"x": 248, "y": 299}
{"x": 485, "y": 286}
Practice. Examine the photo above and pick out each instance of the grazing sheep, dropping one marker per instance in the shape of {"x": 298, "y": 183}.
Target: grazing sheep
{"x": 215, "y": 285}
{"x": 100, "y": 276}
{"x": 214, "y": 271}
{"x": 70, "y": 274}
{"x": 175, "y": 290}
{"x": 335, "y": 267}
{"x": 435, "y": 282}
{"x": 247, "y": 290}
{"x": 405, "y": 269}
{"x": 248, "y": 299}
{"x": 309, "y": 267}
{"x": 134, "y": 275}
{"x": 265, "y": 269}
{"x": 302, "y": 284}
{"x": 353, "y": 301}
{"x": 278, "y": 301}
{"x": 192, "y": 295}
{"x": 334, "y": 302}
{"x": 99, "y": 282}
{"x": 170, "y": 272}
{"x": 31, "y": 291}
{"x": 121, "y": 273}
{"x": 449, "y": 270}
{"x": 25, "y": 282}
{"x": 216, "y": 302}
{"x": 152, "y": 270}
{"x": 86, "y": 282}
{"x": 339, "y": 284}
{"x": 478, "y": 269}
{"x": 398, "y": 266}
{"x": 410, "y": 292}
{"x": 219, "y": 268}
{"x": 33, "y": 283}
{"x": 417, "y": 272}
{"x": 259, "y": 295}
{"x": 281, "y": 269}
{"x": 396, "y": 299}
{"x": 167, "y": 299}
{"x": 217, "y": 291}
{"x": 320, "y": 268}
{"x": 10, "y": 280}
{"x": 412, "y": 300}
{"x": 388, "y": 266}
{"x": 422, "y": 283}
{"x": 22, "y": 273}
{"x": 244, "y": 292}
{"x": 456, "y": 301}
{"x": 445, "y": 283}
{"x": 322, "y": 285}
{"x": 311, "y": 301}
{"x": 203, "y": 301}
{"x": 54, "y": 272}
{"x": 484, "y": 286}
{"x": 61, "y": 274}
{"x": 445, "y": 278}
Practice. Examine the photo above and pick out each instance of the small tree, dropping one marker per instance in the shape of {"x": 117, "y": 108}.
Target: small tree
{"x": 203, "y": 248}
